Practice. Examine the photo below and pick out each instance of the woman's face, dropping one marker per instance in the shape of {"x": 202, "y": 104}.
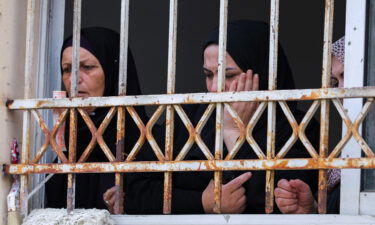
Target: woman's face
{"x": 210, "y": 68}
{"x": 337, "y": 77}
{"x": 91, "y": 80}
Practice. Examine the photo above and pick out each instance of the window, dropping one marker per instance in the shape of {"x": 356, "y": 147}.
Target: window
{"x": 354, "y": 97}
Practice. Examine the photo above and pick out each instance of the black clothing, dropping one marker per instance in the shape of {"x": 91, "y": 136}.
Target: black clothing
{"x": 104, "y": 45}
{"x": 144, "y": 191}
{"x": 333, "y": 200}
{"x": 248, "y": 44}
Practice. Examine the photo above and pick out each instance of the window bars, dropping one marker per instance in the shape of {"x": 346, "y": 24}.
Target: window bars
{"x": 171, "y": 102}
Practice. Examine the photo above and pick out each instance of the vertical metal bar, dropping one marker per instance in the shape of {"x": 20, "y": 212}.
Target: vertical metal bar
{"x": 124, "y": 42}
{"x": 123, "y": 70}
{"x": 355, "y": 52}
{"x": 25, "y": 154}
{"x": 76, "y": 46}
{"x": 170, "y": 111}
{"x": 73, "y": 93}
{"x": 271, "y": 111}
{"x": 72, "y": 158}
{"x": 220, "y": 106}
{"x": 324, "y": 113}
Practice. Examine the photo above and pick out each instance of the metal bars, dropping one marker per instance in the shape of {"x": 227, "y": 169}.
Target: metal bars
{"x": 171, "y": 102}
{"x": 172, "y": 44}
{"x": 324, "y": 113}
{"x": 73, "y": 93}
{"x": 272, "y": 85}
{"x": 25, "y": 154}
{"x": 121, "y": 113}
{"x": 199, "y": 165}
{"x": 219, "y": 106}
{"x": 195, "y": 98}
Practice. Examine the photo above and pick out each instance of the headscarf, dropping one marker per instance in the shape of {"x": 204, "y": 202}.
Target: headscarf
{"x": 104, "y": 44}
{"x": 338, "y": 49}
{"x": 248, "y": 45}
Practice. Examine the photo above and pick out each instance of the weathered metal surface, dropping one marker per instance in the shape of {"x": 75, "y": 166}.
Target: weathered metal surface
{"x": 74, "y": 76}
{"x": 241, "y": 139}
{"x": 199, "y": 165}
{"x": 293, "y": 123}
{"x": 198, "y": 98}
{"x": 352, "y": 128}
{"x": 86, "y": 153}
{"x": 324, "y": 113}
{"x": 122, "y": 86}
{"x": 271, "y": 114}
{"x": 124, "y": 42}
{"x": 73, "y": 93}
{"x": 172, "y": 101}
{"x": 150, "y": 138}
{"x": 99, "y": 135}
{"x": 25, "y": 152}
{"x": 172, "y": 44}
{"x": 219, "y": 106}
{"x": 249, "y": 130}
{"x": 301, "y": 131}
{"x": 50, "y": 136}
{"x": 142, "y": 137}
{"x": 72, "y": 159}
{"x": 194, "y": 133}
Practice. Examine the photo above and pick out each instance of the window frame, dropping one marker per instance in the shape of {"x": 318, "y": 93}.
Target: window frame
{"x": 356, "y": 38}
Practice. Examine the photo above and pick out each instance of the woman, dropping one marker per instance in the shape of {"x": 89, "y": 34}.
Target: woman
{"x": 247, "y": 69}
{"x": 98, "y": 76}
{"x": 295, "y": 196}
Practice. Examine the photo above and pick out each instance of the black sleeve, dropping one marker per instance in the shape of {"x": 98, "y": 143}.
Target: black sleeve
{"x": 333, "y": 201}
{"x": 144, "y": 195}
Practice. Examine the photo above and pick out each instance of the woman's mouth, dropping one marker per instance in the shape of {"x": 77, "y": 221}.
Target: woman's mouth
{"x": 82, "y": 94}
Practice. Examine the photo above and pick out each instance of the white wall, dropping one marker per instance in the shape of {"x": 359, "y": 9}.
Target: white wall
{"x": 12, "y": 51}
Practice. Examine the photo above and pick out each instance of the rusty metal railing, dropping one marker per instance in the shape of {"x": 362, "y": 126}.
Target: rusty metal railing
{"x": 171, "y": 102}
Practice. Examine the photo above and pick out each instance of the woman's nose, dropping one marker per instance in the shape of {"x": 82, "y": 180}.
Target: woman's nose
{"x": 80, "y": 79}
{"x": 213, "y": 87}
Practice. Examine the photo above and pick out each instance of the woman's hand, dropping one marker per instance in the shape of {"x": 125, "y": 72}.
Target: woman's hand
{"x": 109, "y": 197}
{"x": 245, "y": 110}
{"x": 233, "y": 198}
{"x": 294, "y": 197}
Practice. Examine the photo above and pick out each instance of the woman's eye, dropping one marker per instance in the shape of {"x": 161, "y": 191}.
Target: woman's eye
{"x": 88, "y": 67}
{"x": 229, "y": 76}
{"x": 66, "y": 70}
{"x": 208, "y": 75}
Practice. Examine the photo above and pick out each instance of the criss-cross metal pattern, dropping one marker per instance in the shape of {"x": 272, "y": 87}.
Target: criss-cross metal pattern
{"x": 171, "y": 103}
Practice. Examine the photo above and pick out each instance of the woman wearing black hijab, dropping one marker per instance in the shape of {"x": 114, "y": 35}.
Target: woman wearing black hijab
{"x": 98, "y": 76}
{"x": 247, "y": 69}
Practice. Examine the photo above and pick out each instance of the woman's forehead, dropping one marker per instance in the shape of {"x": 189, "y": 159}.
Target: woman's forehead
{"x": 84, "y": 55}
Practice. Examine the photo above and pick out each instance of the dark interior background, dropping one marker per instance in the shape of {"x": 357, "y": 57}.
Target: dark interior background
{"x": 301, "y": 35}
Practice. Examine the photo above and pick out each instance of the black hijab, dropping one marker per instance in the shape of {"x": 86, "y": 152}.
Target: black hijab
{"x": 104, "y": 45}
{"x": 248, "y": 45}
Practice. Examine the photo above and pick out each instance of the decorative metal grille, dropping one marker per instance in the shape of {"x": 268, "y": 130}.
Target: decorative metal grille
{"x": 170, "y": 102}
